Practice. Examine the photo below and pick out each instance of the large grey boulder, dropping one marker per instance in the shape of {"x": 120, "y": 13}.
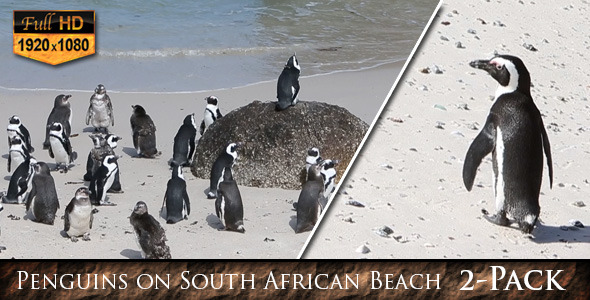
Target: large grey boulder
{"x": 275, "y": 143}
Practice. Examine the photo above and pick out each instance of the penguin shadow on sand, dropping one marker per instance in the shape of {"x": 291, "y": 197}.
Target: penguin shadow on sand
{"x": 545, "y": 234}
{"x": 89, "y": 129}
{"x": 293, "y": 223}
{"x": 131, "y": 254}
{"x": 214, "y": 222}
{"x": 130, "y": 151}
{"x": 5, "y": 156}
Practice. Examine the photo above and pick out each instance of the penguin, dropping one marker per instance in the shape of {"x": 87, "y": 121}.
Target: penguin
{"x": 61, "y": 113}
{"x": 78, "y": 216}
{"x": 17, "y": 154}
{"x": 21, "y": 182}
{"x": 309, "y": 205}
{"x": 178, "y": 205}
{"x": 100, "y": 112}
{"x": 313, "y": 158}
{"x": 151, "y": 237}
{"x": 227, "y": 158}
{"x": 102, "y": 180}
{"x": 288, "y": 84}
{"x": 328, "y": 173}
{"x": 211, "y": 113}
{"x": 229, "y": 206}
{"x": 61, "y": 148}
{"x": 16, "y": 128}
{"x": 144, "y": 133}
{"x": 103, "y": 146}
{"x": 42, "y": 201}
{"x": 184, "y": 142}
{"x": 515, "y": 135}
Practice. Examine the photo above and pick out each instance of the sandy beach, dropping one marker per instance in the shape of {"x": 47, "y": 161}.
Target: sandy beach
{"x": 268, "y": 212}
{"x": 408, "y": 175}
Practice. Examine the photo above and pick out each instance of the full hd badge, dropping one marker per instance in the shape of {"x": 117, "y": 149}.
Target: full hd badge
{"x": 55, "y": 36}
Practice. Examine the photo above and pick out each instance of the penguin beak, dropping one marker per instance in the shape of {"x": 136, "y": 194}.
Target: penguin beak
{"x": 482, "y": 64}
{"x": 68, "y": 97}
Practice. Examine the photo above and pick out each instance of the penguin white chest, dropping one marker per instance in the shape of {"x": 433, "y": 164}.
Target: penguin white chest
{"x": 100, "y": 117}
{"x": 80, "y": 220}
{"x": 499, "y": 178}
{"x": 59, "y": 152}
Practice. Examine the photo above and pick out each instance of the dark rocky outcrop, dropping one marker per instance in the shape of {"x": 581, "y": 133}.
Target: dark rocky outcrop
{"x": 275, "y": 143}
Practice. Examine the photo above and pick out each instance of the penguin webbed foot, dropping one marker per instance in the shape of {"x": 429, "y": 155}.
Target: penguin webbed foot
{"x": 86, "y": 237}
{"x": 498, "y": 219}
{"x": 74, "y": 239}
{"x": 211, "y": 195}
{"x": 2, "y": 248}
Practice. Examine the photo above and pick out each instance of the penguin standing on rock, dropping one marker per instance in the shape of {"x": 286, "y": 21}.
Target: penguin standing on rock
{"x": 288, "y": 84}
{"x": 16, "y": 128}
{"x": 61, "y": 148}
{"x": 515, "y": 134}
{"x": 78, "y": 216}
{"x": 229, "y": 206}
{"x": 61, "y": 113}
{"x": 309, "y": 205}
{"x": 178, "y": 205}
{"x": 102, "y": 180}
{"x": 42, "y": 200}
{"x": 313, "y": 158}
{"x": 184, "y": 142}
{"x": 227, "y": 158}
{"x": 21, "y": 183}
{"x": 150, "y": 235}
{"x": 17, "y": 154}
{"x": 100, "y": 111}
{"x": 144, "y": 133}
{"x": 211, "y": 114}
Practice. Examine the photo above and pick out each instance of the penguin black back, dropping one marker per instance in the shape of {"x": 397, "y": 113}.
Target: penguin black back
{"x": 150, "y": 235}
{"x": 177, "y": 202}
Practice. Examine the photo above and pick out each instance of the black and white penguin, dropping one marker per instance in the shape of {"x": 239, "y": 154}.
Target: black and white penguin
{"x": 16, "y": 128}
{"x": 227, "y": 158}
{"x": 313, "y": 158}
{"x": 102, "y": 180}
{"x": 100, "y": 112}
{"x": 2, "y": 248}
{"x": 288, "y": 84}
{"x": 144, "y": 133}
{"x": 211, "y": 113}
{"x": 309, "y": 205}
{"x": 228, "y": 206}
{"x": 515, "y": 134}
{"x": 17, "y": 154}
{"x": 103, "y": 146}
{"x": 61, "y": 113}
{"x": 178, "y": 205}
{"x": 42, "y": 201}
{"x": 184, "y": 142}
{"x": 328, "y": 173}
{"x": 60, "y": 147}
{"x": 150, "y": 235}
{"x": 78, "y": 216}
{"x": 21, "y": 183}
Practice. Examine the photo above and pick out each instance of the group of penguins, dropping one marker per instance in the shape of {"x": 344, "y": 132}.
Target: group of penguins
{"x": 32, "y": 184}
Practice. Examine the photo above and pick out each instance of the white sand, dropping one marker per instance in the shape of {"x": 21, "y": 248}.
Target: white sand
{"x": 268, "y": 212}
{"x": 421, "y": 195}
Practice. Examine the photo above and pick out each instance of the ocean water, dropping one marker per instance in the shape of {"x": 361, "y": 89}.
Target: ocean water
{"x": 185, "y": 46}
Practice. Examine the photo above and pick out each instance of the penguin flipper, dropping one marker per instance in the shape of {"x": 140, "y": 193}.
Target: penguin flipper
{"x": 110, "y": 109}
{"x": 89, "y": 113}
{"x": 30, "y": 197}
{"x": 9, "y": 160}
{"x": 27, "y": 138}
{"x": 22, "y": 185}
{"x": 547, "y": 149}
{"x": 51, "y": 152}
{"x": 296, "y": 87}
{"x": 218, "y": 114}
{"x": 218, "y": 211}
{"x": 91, "y": 220}
{"x": 202, "y": 128}
{"x": 481, "y": 146}
{"x": 187, "y": 202}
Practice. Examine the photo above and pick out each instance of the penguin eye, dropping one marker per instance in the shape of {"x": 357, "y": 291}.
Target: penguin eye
{"x": 499, "y": 67}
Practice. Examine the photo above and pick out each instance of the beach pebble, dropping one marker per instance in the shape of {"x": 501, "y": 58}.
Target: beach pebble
{"x": 363, "y": 249}
{"x": 439, "y": 125}
{"x": 459, "y": 45}
{"x": 576, "y": 223}
{"x": 424, "y": 88}
{"x": 349, "y": 220}
{"x": 355, "y": 203}
{"x": 457, "y": 133}
{"x": 472, "y": 31}
{"x": 444, "y": 38}
{"x": 386, "y": 166}
{"x": 482, "y": 21}
{"x": 269, "y": 240}
{"x": 428, "y": 245}
{"x": 441, "y": 107}
{"x": 529, "y": 47}
{"x": 579, "y": 204}
{"x": 383, "y": 231}
{"x": 445, "y": 23}
{"x": 499, "y": 23}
